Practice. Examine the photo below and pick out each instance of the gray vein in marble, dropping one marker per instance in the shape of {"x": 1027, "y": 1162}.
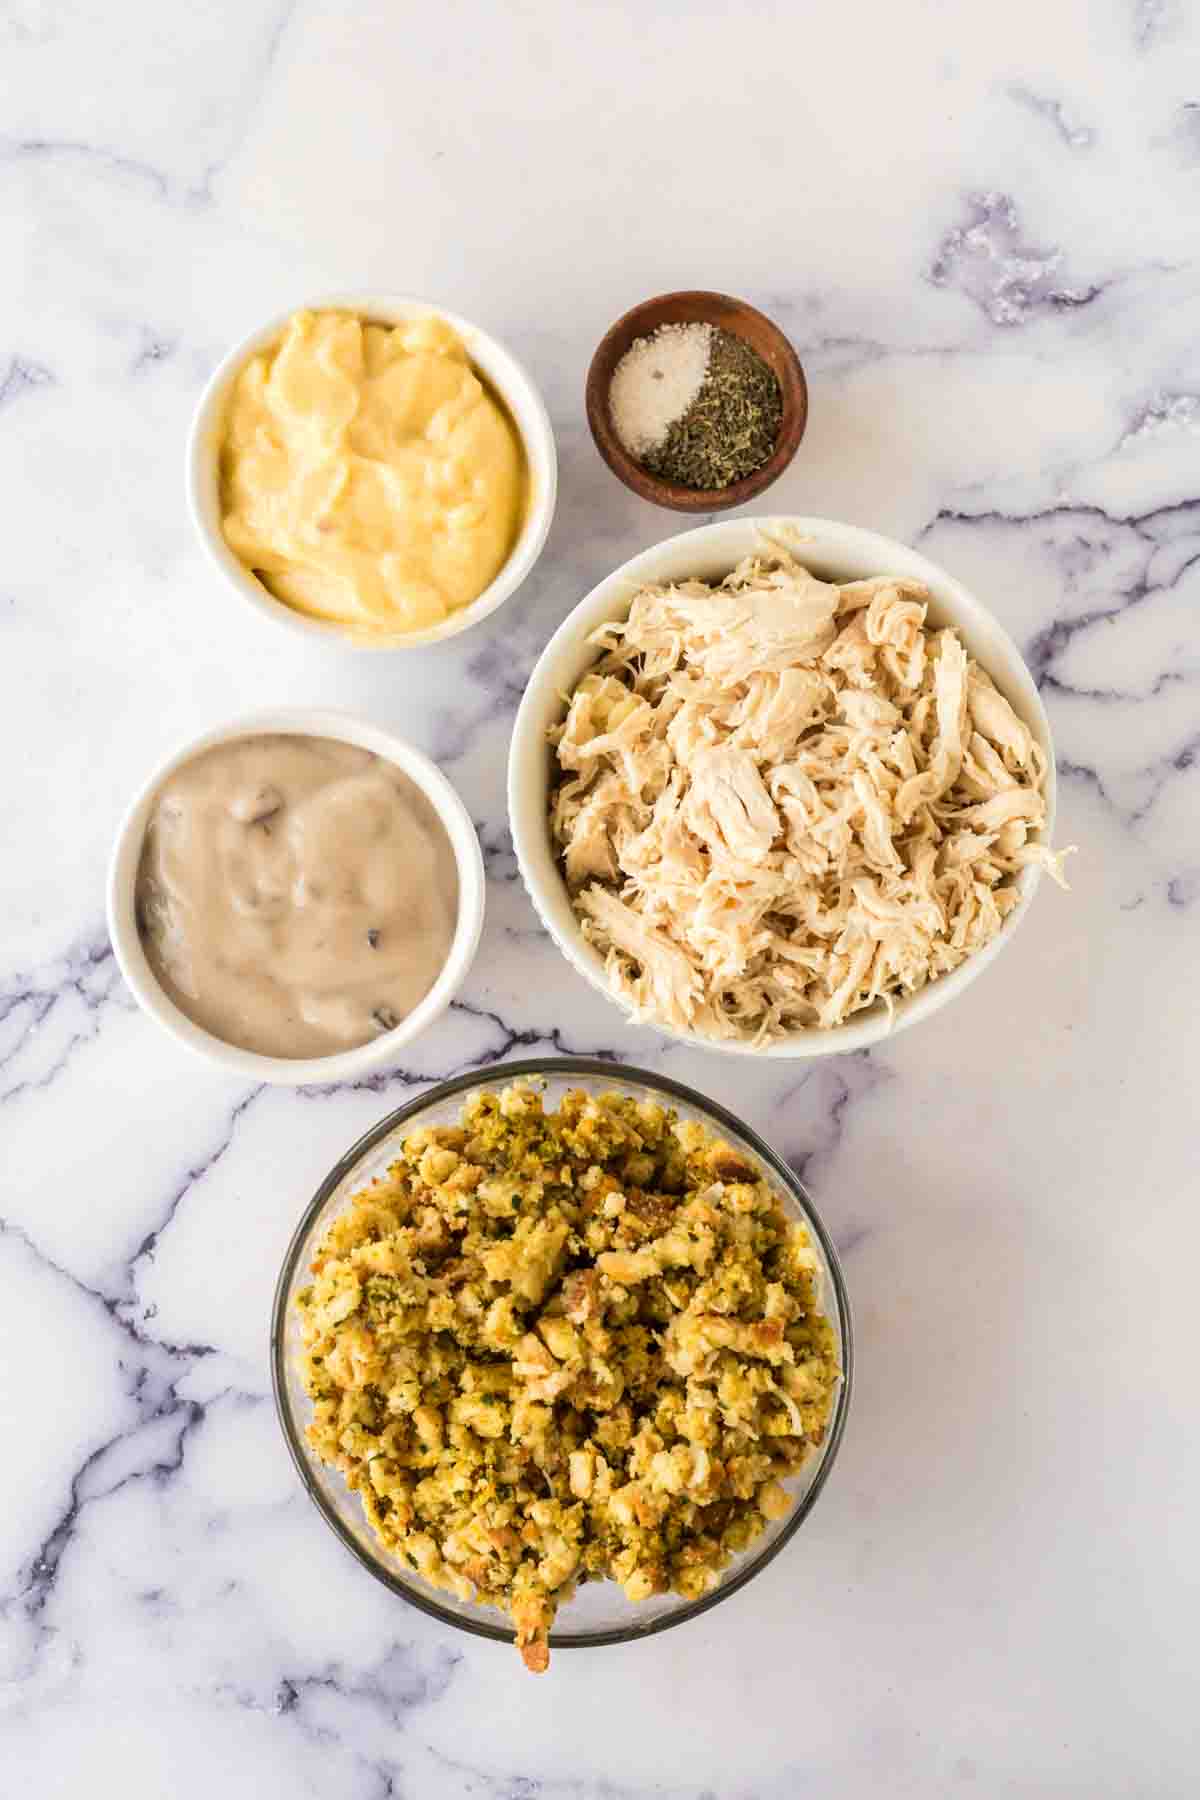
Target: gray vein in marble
{"x": 511, "y": 1038}
{"x": 101, "y": 1475}
{"x": 501, "y": 667}
{"x": 839, "y": 1084}
{"x": 1183, "y": 890}
{"x": 111, "y": 1303}
{"x": 154, "y": 350}
{"x": 1010, "y": 281}
{"x": 197, "y": 1172}
{"x": 1152, "y": 528}
{"x": 394, "y": 1687}
{"x": 29, "y": 1005}
{"x": 848, "y": 1239}
{"x": 475, "y": 1780}
{"x": 255, "y": 85}
{"x": 388, "y": 1692}
{"x": 21, "y": 375}
{"x": 1072, "y": 133}
{"x": 1166, "y": 411}
{"x": 150, "y": 1447}
{"x": 110, "y": 161}
{"x": 30, "y": 1001}
{"x": 1109, "y": 696}
{"x": 1155, "y": 775}
{"x": 1184, "y": 135}
{"x": 524, "y": 934}
{"x": 145, "y": 1251}
{"x": 1089, "y": 534}
{"x": 1152, "y": 21}
{"x": 499, "y": 856}
{"x": 65, "y": 151}
{"x": 840, "y": 354}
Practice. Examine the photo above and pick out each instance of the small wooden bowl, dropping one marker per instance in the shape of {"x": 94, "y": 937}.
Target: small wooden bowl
{"x": 691, "y": 307}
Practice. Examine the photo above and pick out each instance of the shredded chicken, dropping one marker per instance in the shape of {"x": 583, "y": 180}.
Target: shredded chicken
{"x": 782, "y": 800}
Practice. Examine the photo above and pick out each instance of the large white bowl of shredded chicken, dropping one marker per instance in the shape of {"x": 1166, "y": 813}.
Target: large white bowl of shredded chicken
{"x": 781, "y": 786}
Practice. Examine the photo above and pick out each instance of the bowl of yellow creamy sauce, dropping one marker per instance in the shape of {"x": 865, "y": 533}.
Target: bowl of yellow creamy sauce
{"x": 374, "y": 471}
{"x": 296, "y": 896}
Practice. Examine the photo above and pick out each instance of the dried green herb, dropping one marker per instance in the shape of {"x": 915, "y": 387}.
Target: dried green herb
{"x": 732, "y": 425}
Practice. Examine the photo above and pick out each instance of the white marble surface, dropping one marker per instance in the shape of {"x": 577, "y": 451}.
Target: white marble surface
{"x": 979, "y": 226}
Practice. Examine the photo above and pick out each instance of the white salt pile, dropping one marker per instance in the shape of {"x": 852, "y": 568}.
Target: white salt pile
{"x": 656, "y": 381}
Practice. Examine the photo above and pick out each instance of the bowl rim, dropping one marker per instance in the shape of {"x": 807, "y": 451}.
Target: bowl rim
{"x": 507, "y": 374}
{"x": 612, "y": 1073}
{"x": 344, "y": 1065}
{"x": 609, "y": 599}
{"x": 672, "y": 495}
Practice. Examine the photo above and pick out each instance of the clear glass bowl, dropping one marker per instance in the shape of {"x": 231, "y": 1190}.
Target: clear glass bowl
{"x": 599, "y": 1613}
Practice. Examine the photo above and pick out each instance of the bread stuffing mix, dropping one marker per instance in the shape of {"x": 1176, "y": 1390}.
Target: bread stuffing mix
{"x": 781, "y": 800}
{"x": 547, "y": 1348}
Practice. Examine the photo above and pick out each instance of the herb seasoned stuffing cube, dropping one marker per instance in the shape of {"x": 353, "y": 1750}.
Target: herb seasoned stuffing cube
{"x": 552, "y": 1347}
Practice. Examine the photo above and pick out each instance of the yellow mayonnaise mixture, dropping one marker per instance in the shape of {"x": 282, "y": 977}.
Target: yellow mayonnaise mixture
{"x": 368, "y": 475}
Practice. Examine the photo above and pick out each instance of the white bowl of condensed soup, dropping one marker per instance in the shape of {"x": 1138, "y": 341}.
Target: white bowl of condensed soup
{"x": 296, "y": 895}
{"x": 372, "y": 470}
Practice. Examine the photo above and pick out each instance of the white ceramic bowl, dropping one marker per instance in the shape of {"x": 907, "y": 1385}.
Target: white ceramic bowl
{"x": 502, "y": 371}
{"x": 347, "y": 1065}
{"x": 838, "y": 553}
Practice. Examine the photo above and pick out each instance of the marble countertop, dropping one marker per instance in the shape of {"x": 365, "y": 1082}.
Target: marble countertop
{"x": 978, "y": 227}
